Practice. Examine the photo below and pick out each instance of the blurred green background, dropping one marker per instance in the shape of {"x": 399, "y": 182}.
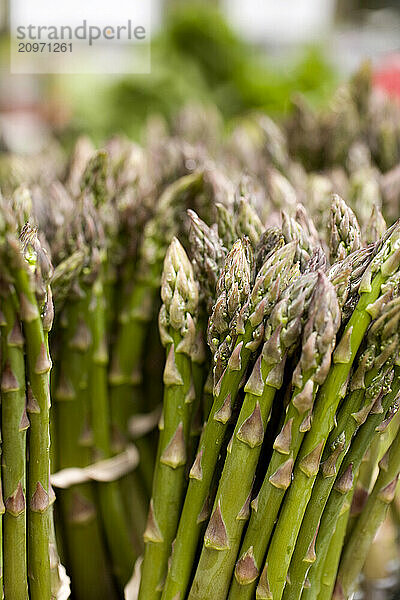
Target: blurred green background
{"x": 240, "y": 56}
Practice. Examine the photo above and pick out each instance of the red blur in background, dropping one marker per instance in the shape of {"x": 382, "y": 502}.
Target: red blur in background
{"x": 387, "y": 76}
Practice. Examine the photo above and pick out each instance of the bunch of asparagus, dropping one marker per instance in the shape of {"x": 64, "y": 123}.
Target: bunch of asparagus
{"x": 270, "y": 363}
{"x": 104, "y": 287}
{"x": 304, "y": 378}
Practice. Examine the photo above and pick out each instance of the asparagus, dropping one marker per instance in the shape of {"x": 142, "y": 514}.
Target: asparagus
{"x": 374, "y": 367}
{"x": 271, "y": 239}
{"x": 177, "y": 328}
{"x": 324, "y": 573}
{"x": 248, "y": 223}
{"x": 373, "y": 515}
{"x": 341, "y": 495}
{"x": 344, "y": 230}
{"x": 90, "y": 572}
{"x": 74, "y": 277}
{"x": 208, "y": 255}
{"x": 346, "y": 276}
{"x": 110, "y": 497}
{"x": 292, "y": 231}
{"x": 375, "y": 227}
{"x": 365, "y": 476}
{"x": 313, "y": 366}
{"x": 233, "y": 289}
{"x": 271, "y": 279}
{"x": 37, "y": 259}
{"x": 126, "y": 358}
{"x": 359, "y": 130}
{"x": 14, "y": 426}
{"x": 28, "y": 284}
{"x": 226, "y": 225}
{"x": 59, "y": 580}
{"x": 385, "y": 263}
{"x": 42, "y": 271}
{"x": 331, "y": 563}
{"x": 216, "y": 563}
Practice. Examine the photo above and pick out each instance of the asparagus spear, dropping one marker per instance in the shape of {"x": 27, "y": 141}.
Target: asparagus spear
{"x": 248, "y": 223}
{"x": 233, "y": 289}
{"x": 89, "y": 570}
{"x": 341, "y": 495}
{"x": 344, "y": 230}
{"x": 226, "y": 225}
{"x": 373, "y": 515}
{"x": 271, "y": 239}
{"x": 318, "y": 340}
{"x": 375, "y": 227}
{"x": 14, "y": 425}
{"x": 346, "y": 275}
{"x": 292, "y": 231}
{"x": 42, "y": 271}
{"x": 331, "y": 563}
{"x": 177, "y": 329}
{"x": 74, "y": 276}
{"x": 208, "y": 255}
{"x": 110, "y": 497}
{"x": 271, "y": 279}
{"x": 231, "y": 506}
{"x": 59, "y": 580}
{"x": 385, "y": 263}
{"x": 374, "y": 367}
{"x": 126, "y": 358}
{"x": 29, "y": 283}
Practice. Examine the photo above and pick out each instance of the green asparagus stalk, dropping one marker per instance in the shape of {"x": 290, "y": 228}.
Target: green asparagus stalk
{"x": 226, "y": 225}
{"x": 331, "y": 563}
{"x": 292, "y": 231}
{"x": 271, "y": 279}
{"x": 177, "y": 329}
{"x": 318, "y": 341}
{"x": 125, "y": 373}
{"x": 373, "y": 515}
{"x": 14, "y": 426}
{"x": 73, "y": 278}
{"x": 86, "y": 231}
{"x": 200, "y": 367}
{"x": 110, "y": 497}
{"x": 89, "y": 570}
{"x": 270, "y": 240}
{"x": 344, "y": 230}
{"x": 233, "y": 290}
{"x": 374, "y": 368}
{"x": 41, "y": 270}
{"x": 208, "y": 255}
{"x": 385, "y": 263}
{"x": 365, "y": 477}
{"x": 231, "y": 506}
{"x": 342, "y": 492}
{"x": 59, "y": 580}
{"x": 94, "y": 177}
{"x": 248, "y": 223}
{"x": 375, "y": 227}
{"x": 27, "y": 284}
{"x": 350, "y": 271}
{"x": 318, "y": 262}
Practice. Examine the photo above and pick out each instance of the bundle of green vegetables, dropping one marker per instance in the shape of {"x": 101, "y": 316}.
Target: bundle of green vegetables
{"x": 270, "y": 363}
